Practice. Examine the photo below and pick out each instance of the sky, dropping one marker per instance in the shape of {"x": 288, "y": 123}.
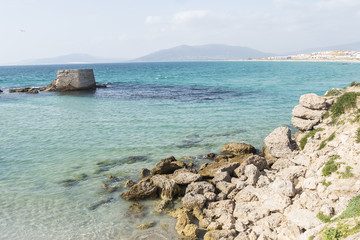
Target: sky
{"x": 127, "y": 29}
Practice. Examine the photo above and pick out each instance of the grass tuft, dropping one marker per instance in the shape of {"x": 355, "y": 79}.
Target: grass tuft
{"x": 347, "y": 174}
{"x": 325, "y": 183}
{"x": 303, "y": 141}
{"x": 352, "y": 210}
{"x": 358, "y": 135}
{"x": 324, "y": 218}
{"x": 343, "y": 103}
{"x": 331, "y": 166}
{"x": 323, "y": 143}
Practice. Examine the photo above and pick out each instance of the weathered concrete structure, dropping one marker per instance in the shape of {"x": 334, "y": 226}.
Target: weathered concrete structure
{"x": 73, "y": 79}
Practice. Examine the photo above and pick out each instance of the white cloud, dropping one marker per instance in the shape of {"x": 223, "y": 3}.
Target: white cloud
{"x": 336, "y": 4}
{"x": 152, "y": 19}
{"x": 188, "y": 16}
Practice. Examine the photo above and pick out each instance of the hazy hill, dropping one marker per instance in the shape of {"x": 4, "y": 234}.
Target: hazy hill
{"x": 71, "y": 59}
{"x": 203, "y": 52}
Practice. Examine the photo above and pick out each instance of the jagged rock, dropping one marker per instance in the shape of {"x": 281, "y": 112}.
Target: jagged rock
{"x": 144, "y": 189}
{"x": 221, "y": 196}
{"x": 200, "y": 187}
{"x": 252, "y": 173}
{"x": 263, "y": 181}
{"x": 310, "y": 200}
{"x": 227, "y": 221}
{"x": 225, "y": 187}
{"x": 221, "y": 176}
{"x": 306, "y": 113}
{"x": 283, "y": 187}
{"x": 214, "y": 226}
{"x": 209, "y": 156}
{"x": 238, "y": 148}
{"x": 24, "y": 90}
{"x": 246, "y": 195}
{"x": 292, "y": 173}
{"x": 272, "y": 221}
{"x": 216, "y": 209}
{"x": 282, "y": 163}
{"x": 168, "y": 186}
{"x": 301, "y": 160}
{"x": 184, "y": 225}
{"x": 167, "y": 166}
{"x": 251, "y": 211}
{"x": 220, "y": 234}
{"x": 313, "y": 101}
{"x": 185, "y": 177}
{"x": 304, "y": 124}
{"x": 276, "y": 202}
{"x": 255, "y": 160}
{"x": 289, "y": 232}
{"x": 242, "y": 236}
{"x": 145, "y": 225}
{"x": 279, "y": 143}
{"x": 73, "y": 79}
{"x": 310, "y": 183}
{"x": 264, "y": 232}
{"x": 229, "y": 167}
{"x": 303, "y": 218}
{"x": 162, "y": 205}
{"x": 192, "y": 200}
{"x": 144, "y": 173}
{"x": 210, "y": 196}
{"x": 129, "y": 183}
{"x": 327, "y": 210}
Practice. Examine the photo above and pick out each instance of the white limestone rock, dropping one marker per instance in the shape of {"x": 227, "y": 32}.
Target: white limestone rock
{"x": 304, "y": 124}
{"x": 313, "y": 101}
{"x": 303, "y": 218}
{"x": 279, "y": 143}
{"x": 306, "y": 113}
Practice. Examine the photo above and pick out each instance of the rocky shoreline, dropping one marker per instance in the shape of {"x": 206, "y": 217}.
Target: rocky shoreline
{"x": 298, "y": 187}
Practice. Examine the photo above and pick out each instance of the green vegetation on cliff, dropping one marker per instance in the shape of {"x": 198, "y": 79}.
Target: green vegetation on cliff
{"x": 311, "y": 134}
{"x": 331, "y": 166}
{"x": 343, "y": 103}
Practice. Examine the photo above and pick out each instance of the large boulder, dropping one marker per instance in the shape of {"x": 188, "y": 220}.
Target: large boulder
{"x": 200, "y": 187}
{"x": 167, "y": 166}
{"x": 142, "y": 190}
{"x": 192, "y": 200}
{"x": 168, "y": 186}
{"x": 184, "y": 176}
{"x": 73, "y": 79}
{"x": 313, "y": 101}
{"x": 238, "y": 148}
{"x": 303, "y": 218}
{"x": 304, "y": 124}
{"x": 306, "y": 113}
{"x": 279, "y": 143}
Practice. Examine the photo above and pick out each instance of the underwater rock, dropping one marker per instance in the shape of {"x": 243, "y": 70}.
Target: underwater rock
{"x": 74, "y": 180}
{"x": 145, "y": 225}
{"x": 24, "y": 90}
{"x": 100, "y": 203}
{"x": 136, "y": 210}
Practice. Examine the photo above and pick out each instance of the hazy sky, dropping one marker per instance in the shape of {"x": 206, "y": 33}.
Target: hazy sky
{"x": 128, "y": 29}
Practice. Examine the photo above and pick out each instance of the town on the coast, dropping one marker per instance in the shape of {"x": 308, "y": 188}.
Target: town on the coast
{"x": 322, "y": 55}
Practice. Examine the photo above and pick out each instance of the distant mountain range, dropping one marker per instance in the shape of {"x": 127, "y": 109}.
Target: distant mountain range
{"x": 203, "y": 53}
{"x": 186, "y": 53}
{"x": 75, "y": 58}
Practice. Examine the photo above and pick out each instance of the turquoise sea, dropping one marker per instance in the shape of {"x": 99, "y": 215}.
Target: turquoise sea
{"x": 57, "y": 149}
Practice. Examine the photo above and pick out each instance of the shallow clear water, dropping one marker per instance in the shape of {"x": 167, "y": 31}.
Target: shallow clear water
{"x": 150, "y": 111}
